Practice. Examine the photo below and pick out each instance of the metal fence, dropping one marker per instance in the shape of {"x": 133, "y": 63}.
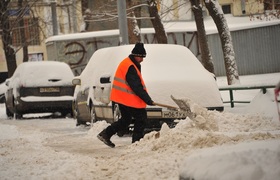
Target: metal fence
{"x": 257, "y": 50}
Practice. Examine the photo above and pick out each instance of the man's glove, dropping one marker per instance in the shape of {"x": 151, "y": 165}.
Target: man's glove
{"x": 151, "y": 103}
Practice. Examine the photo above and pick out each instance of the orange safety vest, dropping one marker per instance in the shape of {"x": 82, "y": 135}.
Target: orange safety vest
{"x": 121, "y": 92}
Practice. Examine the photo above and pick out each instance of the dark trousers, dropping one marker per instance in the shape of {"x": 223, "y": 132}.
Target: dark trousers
{"x": 127, "y": 113}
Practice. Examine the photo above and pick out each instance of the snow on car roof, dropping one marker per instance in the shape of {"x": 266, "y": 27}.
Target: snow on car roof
{"x": 40, "y": 72}
{"x": 161, "y": 58}
{"x": 167, "y": 70}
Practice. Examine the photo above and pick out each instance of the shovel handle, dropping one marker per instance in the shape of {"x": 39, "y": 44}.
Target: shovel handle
{"x": 165, "y": 105}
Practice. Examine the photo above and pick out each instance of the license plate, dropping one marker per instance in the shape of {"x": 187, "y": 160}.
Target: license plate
{"x": 49, "y": 89}
{"x": 174, "y": 114}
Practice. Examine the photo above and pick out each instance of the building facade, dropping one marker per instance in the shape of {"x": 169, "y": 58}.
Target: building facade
{"x": 38, "y": 25}
{"x": 70, "y": 18}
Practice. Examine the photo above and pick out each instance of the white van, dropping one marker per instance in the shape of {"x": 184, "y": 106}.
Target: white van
{"x": 167, "y": 70}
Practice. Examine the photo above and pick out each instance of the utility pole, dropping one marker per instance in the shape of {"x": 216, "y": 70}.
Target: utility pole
{"x": 54, "y": 17}
{"x": 122, "y": 22}
{"x": 74, "y": 16}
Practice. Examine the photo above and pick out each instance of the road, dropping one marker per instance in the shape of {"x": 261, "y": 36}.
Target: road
{"x": 54, "y": 148}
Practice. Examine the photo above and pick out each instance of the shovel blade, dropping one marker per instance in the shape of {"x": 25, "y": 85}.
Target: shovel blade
{"x": 184, "y": 106}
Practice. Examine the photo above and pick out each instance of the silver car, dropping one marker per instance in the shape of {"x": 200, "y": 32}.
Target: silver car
{"x": 167, "y": 70}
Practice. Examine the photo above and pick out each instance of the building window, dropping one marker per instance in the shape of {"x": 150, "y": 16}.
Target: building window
{"x": 31, "y": 31}
{"x": 271, "y": 4}
{"x": 226, "y": 9}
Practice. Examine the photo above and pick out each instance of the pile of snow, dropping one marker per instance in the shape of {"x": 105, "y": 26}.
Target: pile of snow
{"x": 264, "y": 104}
{"x": 214, "y": 145}
{"x": 257, "y": 160}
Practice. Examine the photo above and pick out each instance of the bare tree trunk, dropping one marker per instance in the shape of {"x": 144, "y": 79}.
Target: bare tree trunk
{"x": 22, "y": 32}
{"x": 137, "y": 13}
{"x": 229, "y": 56}
{"x": 206, "y": 57}
{"x": 156, "y": 21}
{"x": 132, "y": 25}
{"x": 7, "y": 38}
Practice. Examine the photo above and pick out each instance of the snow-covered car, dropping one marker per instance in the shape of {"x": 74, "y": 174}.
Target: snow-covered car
{"x": 167, "y": 70}
{"x": 39, "y": 87}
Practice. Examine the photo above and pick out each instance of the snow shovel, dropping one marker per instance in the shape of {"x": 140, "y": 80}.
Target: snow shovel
{"x": 183, "y": 106}
{"x": 167, "y": 106}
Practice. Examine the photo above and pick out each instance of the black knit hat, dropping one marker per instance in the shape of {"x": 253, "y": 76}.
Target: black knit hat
{"x": 139, "y": 50}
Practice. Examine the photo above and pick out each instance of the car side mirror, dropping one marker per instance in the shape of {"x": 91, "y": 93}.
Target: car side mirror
{"x": 76, "y": 81}
{"x": 104, "y": 80}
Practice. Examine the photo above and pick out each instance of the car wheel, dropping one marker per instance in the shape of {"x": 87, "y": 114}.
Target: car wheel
{"x": 74, "y": 111}
{"x": 18, "y": 115}
{"x": 92, "y": 115}
{"x": 79, "y": 122}
{"x": 9, "y": 113}
{"x": 67, "y": 114}
{"x": 116, "y": 113}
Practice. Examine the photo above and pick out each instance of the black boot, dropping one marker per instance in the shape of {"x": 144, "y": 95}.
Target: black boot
{"x": 137, "y": 137}
{"x": 104, "y": 137}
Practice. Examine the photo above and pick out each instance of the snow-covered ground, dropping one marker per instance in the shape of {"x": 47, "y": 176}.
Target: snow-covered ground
{"x": 239, "y": 143}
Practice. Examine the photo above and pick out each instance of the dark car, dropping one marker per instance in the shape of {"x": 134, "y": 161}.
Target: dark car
{"x": 167, "y": 70}
{"x": 40, "y": 87}
{"x": 3, "y": 89}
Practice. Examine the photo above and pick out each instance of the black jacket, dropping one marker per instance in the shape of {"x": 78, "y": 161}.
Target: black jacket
{"x": 135, "y": 84}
